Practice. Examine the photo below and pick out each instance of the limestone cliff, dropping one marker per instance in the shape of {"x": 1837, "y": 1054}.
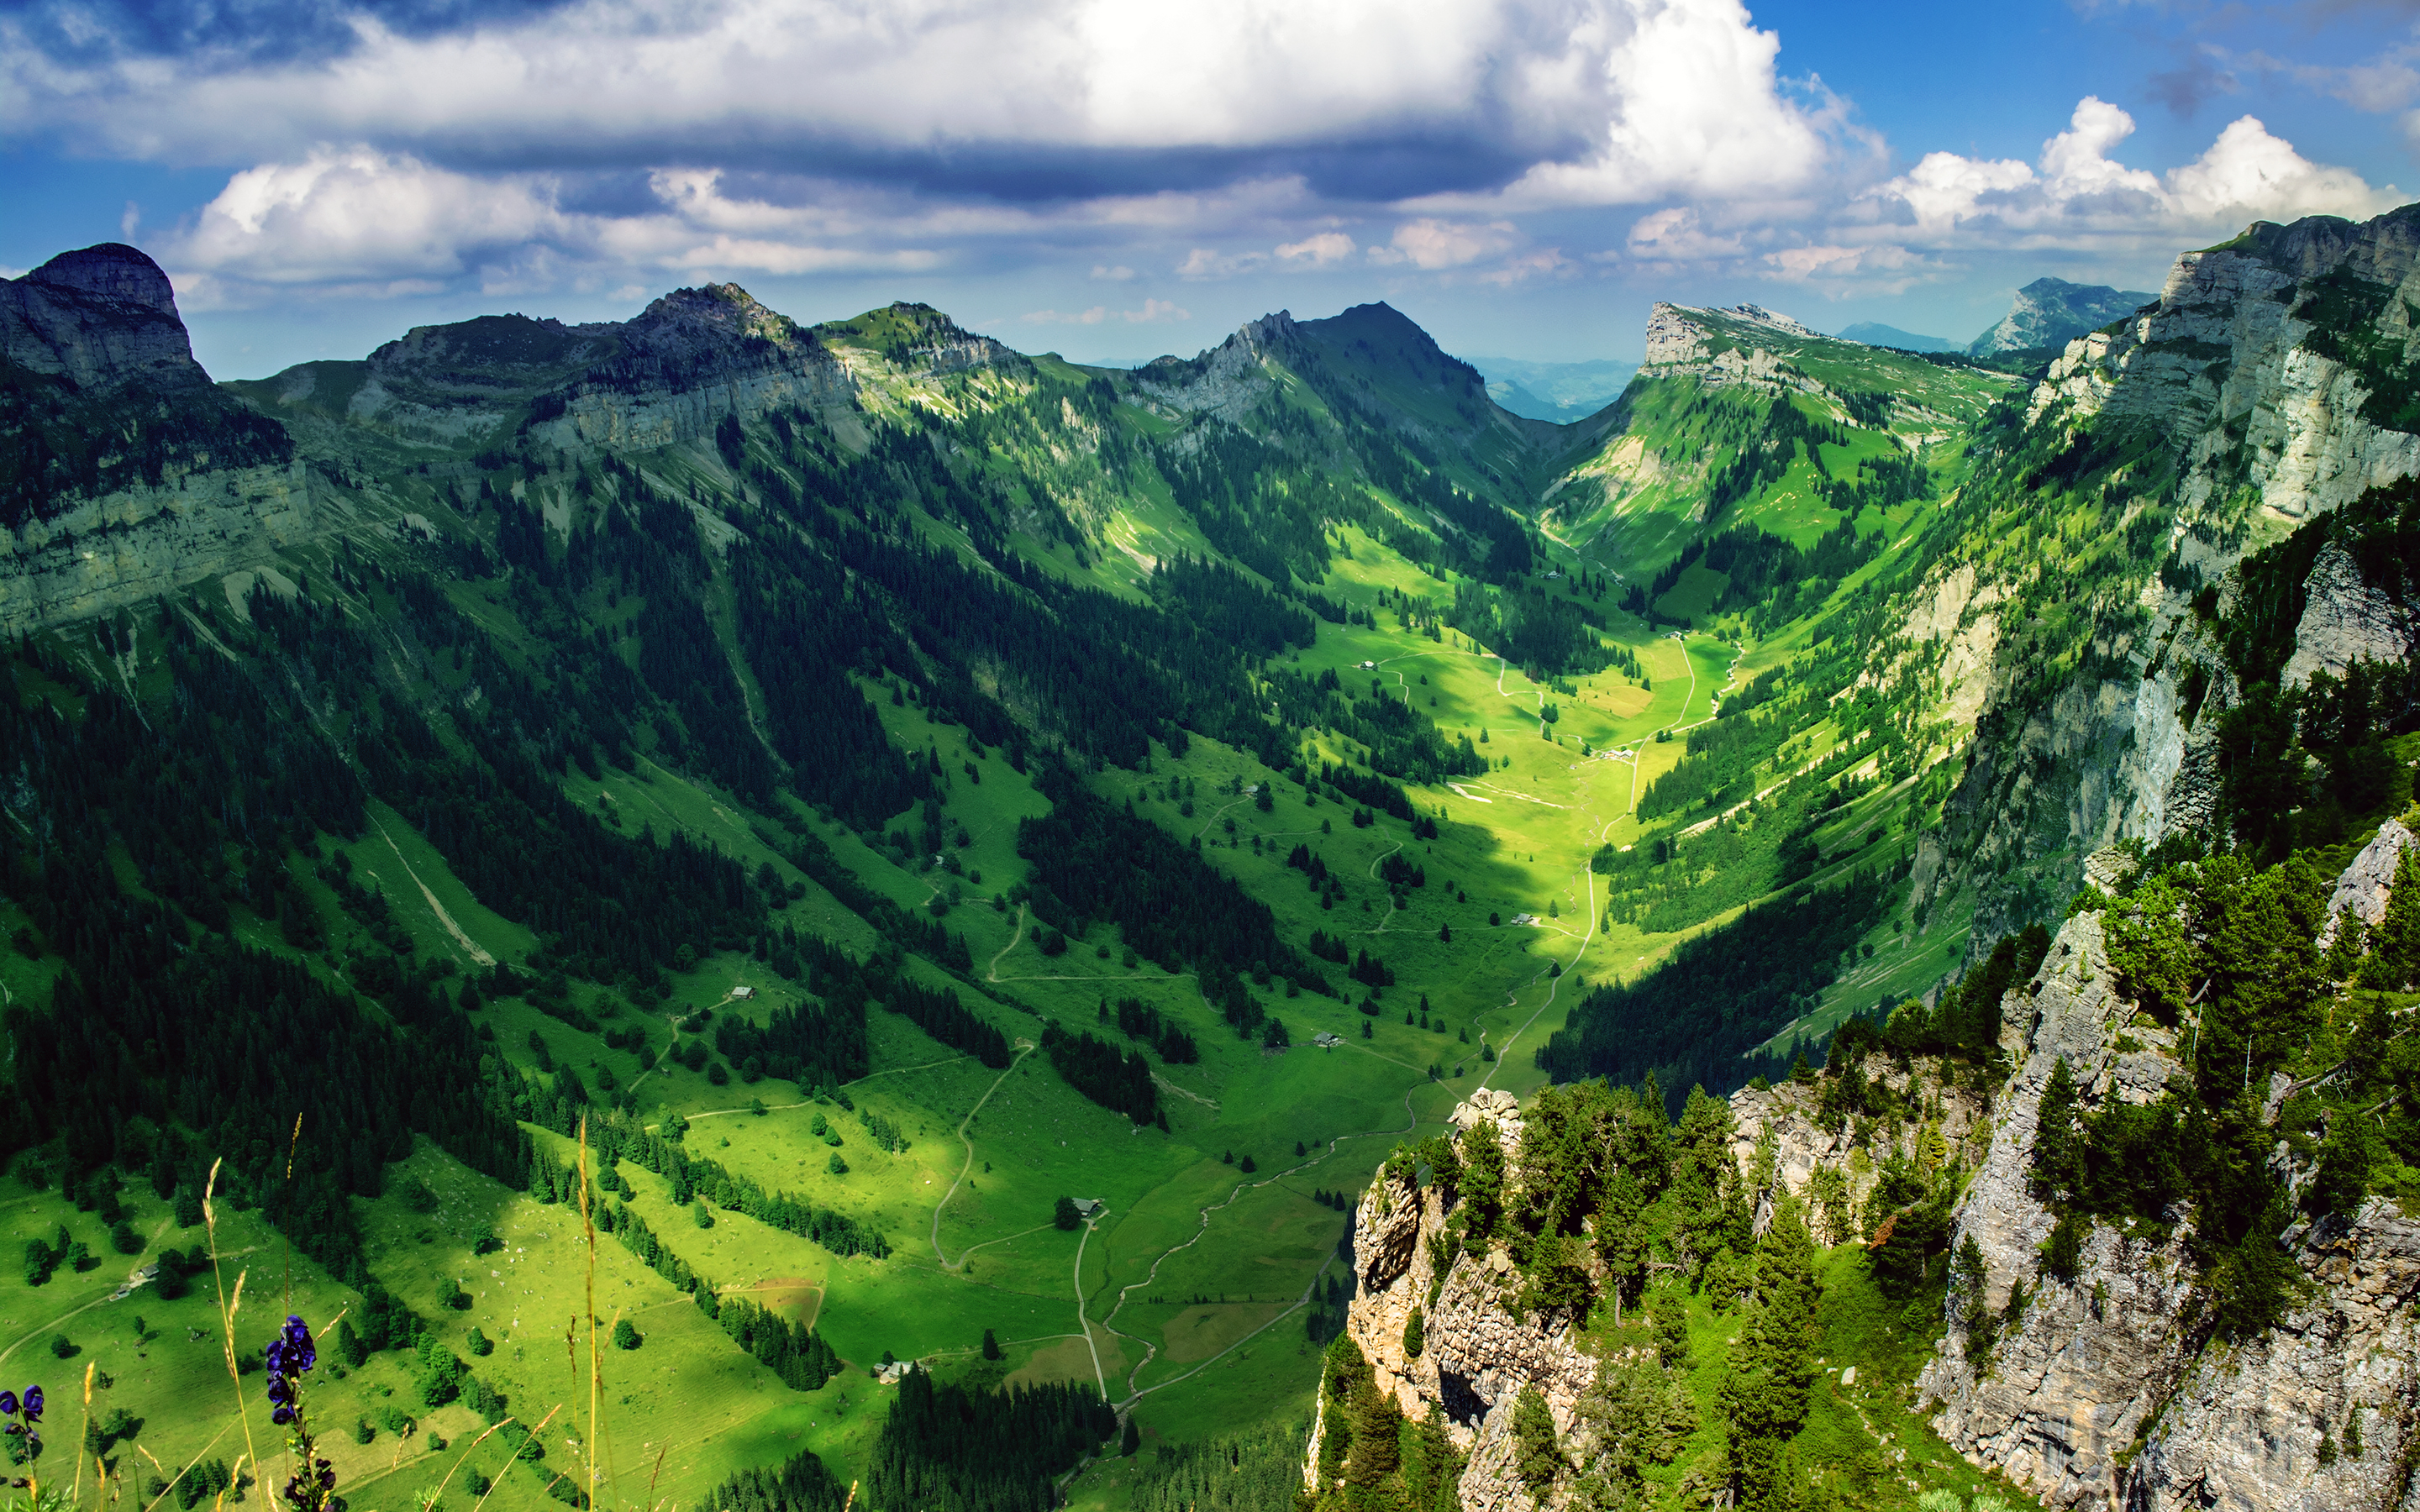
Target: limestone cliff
{"x": 2110, "y": 1390}
{"x": 131, "y": 473}
{"x": 220, "y": 479}
{"x": 2265, "y": 387}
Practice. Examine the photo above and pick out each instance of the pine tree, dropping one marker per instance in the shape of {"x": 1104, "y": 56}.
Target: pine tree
{"x": 2059, "y": 1139}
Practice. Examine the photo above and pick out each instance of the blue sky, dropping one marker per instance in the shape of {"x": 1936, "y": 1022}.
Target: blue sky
{"x": 1114, "y": 178}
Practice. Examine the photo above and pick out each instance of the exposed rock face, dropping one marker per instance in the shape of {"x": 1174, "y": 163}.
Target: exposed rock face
{"x": 693, "y": 357}
{"x": 2368, "y": 882}
{"x": 122, "y": 549}
{"x": 2050, "y": 311}
{"x": 2231, "y": 366}
{"x": 2109, "y": 1392}
{"x": 2345, "y": 620}
{"x": 223, "y": 494}
{"x": 1787, "y": 1114}
{"x": 100, "y": 318}
{"x": 1719, "y": 347}
{"x": 138, "y": 474}
{"x": 1477, "y": 1354}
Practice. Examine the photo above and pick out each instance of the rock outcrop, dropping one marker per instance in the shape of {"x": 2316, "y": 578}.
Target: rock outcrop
{"x": 219, "y": 480}
{"x": 2249, "y": 369}
{"x": 1478, "y": 1354}
{"x": 100, "y": 318}
{"x": 2108, "y": 1391}
{"x": 135, "y": 473}
{"x": 2365, "y": 885}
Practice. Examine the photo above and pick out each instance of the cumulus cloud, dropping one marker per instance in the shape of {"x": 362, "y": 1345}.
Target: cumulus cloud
{"x": 1074, "y": 92}
{"x": 355, "y": 221}
{"x": 1154, "y": 312}
{"x": 1325, "y": 250}
{"x": 1431, "y": 245}
{"x": 2076, "y": 186}
{"x": 1679, "y": 235}
{"x": 1690, "y": 104}
{"x": 1877, "y": 268}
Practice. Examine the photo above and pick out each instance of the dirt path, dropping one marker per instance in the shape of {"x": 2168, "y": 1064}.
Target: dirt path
{"x": 991, "y": 973}
{"x": 1100, "y": 1377}
{"x": 1553, "y": 985}
{"x": 1024, "y": 1048}
{"x": 1151, "y": 1350}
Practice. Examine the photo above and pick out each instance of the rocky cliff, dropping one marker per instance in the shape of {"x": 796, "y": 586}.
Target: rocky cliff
{"x": 219, "y": 480}
{"x": 1478, "y": 1352}
{"x": 131, "y": 473}
{"x": 2111, "y": 1388}
{"x": 2267, "y": 386}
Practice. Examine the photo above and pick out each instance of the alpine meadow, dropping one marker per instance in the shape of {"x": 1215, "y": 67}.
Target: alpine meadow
{"x": 602, "y": 914}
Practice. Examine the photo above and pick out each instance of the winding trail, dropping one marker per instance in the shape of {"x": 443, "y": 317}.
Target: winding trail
{"x": 991, "y": 973}
{"x": 1553, "y": 985}
{"x": 1151, "y": 1350}
{"x": 1100, "y": 1377}
{"x": 1024, "y": 1048}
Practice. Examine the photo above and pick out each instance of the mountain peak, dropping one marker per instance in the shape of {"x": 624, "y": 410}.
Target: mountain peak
{"x": 2051, "y": 311}
{"x": 723, "y": 309}
{"x": 97, "y": 317}
{"x": 109, "y": 271}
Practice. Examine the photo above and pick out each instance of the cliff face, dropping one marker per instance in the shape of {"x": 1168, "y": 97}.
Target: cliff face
{"x": 133, "y": 475}
{"x": 127, "y": 546}
{"x": 2109, "y": 1391}
{"x": 1478, "y": 1354}
{"x": 100, "y": 318}
{"x": 2264, "y": 380}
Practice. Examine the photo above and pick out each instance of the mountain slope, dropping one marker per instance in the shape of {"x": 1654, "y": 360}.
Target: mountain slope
{"x": 2051, "y": 312}
{"x": 1874, "y": 333}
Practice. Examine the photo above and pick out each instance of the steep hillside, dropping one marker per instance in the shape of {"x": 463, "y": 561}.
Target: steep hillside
{"x": 2145, "y": 547}
{"x": 954, "y": 856}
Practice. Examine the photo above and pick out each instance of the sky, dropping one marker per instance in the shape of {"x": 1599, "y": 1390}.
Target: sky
{"x": 1117, "y": 178}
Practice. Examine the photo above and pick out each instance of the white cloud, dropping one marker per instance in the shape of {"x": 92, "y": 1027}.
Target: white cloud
{"x": 355, "y": 214}
{"x": 354, "y": 221}
{"x": 1431, "y": 245}
{"x": 1879, "y": 268}
{"x": 1120, "y": 275}
{"x": 1202, "y": 262}
{"x": 1678, "y": 235}
{"x": 1154, "y": 312}
{"x": 1679, "y": 93}
{"x": 2077, "y": 189}
{"x": 1325, "y": 250}
{"x": 1687, "y": 104}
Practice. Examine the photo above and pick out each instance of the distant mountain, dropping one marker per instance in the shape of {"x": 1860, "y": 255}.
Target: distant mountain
{"x": 2051, "y": 311}
{"x": 1559, "y": 391}
{"x": 1874, "y": 333}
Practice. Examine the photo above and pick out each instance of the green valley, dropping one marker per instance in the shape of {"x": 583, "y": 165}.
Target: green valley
{"x": 775, "y": 917}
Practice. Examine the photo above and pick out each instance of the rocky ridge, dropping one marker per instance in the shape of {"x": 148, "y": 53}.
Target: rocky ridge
{"x": 1477, "y": 1354}
{"x": 102, "y": 324}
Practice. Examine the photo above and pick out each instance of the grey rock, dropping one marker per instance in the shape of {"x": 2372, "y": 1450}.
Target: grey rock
{"x": 2367, "y": 881}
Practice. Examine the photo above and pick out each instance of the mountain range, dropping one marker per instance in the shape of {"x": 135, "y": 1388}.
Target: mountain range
{"x": 1772, "y": 929}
